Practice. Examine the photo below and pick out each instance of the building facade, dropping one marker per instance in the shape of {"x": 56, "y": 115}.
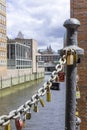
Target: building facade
{"x": 31, "y": 43}
{"x": 50, "y": 58}
{"x": 18, "y": 56}
{"x": 3, "y": 39}
{"x": 22, "y": 54}
{"x": 50, "y": 61}
{"x": 78, "y": 9}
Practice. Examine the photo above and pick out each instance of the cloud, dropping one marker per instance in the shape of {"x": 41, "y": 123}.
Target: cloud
{"x": 40, "y": 20}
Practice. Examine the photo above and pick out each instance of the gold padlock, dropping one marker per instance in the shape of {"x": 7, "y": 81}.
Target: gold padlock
{"x": 28, "y": 115}
{"x": 75, "y": 57}
{"x": 36, "y": 109}
{"x": 48, "y": 93}
{"x": 42, "y": 102}
{"x": 7, "y": 127}
{"x": 77, "y": 113}
{"x": 70, "y": 58}
{"x": 57, "y": 79}
{"x": 78, "y": 93}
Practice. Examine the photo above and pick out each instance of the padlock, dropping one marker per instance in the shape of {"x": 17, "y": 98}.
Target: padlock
{"x": 24, "y": 124}
{"x": 42, "y": 102}
{"x": 24, "y": 119}
{"x": 78, "y": 93}
{"x": 57, "y": 79}
{"x": 18, "y": 124}
{"x": 36, "y": 109}
{"x": 75, "y": 57}
{"x": 28, "y": 115}
{"x": 7, "y": 127}
{"x": 77, "y": 78}
{"x": 70, "y": 58}
{"x": 61, "y": 76}
{"x": 77, "y": 113}
{"x": 48, "y": 93}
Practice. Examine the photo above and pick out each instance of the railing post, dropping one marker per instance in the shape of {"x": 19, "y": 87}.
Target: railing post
{"x": 11, "y": 81}
{"x": 1, "y": 82}
{"x": 71, "y": 72}
{"x": 24, "y": 77}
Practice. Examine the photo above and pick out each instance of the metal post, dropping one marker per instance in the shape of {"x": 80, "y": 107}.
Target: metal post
{"x": 18, "y": 77}
{"x": 11, "y": 81}
{"x": 71, "y": 71}
{"x": 1, "y": 82}
{"x": 24, "y": 77}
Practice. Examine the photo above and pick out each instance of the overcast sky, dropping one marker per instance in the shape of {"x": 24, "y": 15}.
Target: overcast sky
{"x": 41, "y": 20}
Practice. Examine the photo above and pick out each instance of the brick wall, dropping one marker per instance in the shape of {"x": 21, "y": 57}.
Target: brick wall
{"x": 78, "y": 9}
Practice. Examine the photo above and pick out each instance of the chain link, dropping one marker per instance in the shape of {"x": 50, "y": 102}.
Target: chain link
{"x": 14, "y": 114}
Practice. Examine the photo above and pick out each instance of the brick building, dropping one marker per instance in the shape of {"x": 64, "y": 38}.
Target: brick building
{"x": 3, "y": 40}
{"x": 78, "y": 10}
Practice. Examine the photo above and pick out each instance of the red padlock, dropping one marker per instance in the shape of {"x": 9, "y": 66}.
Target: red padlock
{"x": 18, "y": 124}
{"x": 61, "y": 76}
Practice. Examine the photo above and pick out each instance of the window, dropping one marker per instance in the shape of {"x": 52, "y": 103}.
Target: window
{"x": 12, "y": 51}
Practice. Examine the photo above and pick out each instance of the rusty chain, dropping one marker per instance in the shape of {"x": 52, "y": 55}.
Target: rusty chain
{"x": 14, "y": 114}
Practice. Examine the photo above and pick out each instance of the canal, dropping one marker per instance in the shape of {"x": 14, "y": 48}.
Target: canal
{"x": 51, "y": 117}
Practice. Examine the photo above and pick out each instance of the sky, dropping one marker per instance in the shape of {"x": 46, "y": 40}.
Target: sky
{"x": 41, "y": 20}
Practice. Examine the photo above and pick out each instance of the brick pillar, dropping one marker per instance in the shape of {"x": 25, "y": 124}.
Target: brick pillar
{"x": 78, "y": 9}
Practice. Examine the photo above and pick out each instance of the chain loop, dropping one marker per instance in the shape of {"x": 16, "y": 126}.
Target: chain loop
{"x": 4, "y": 120}
{"x": 15, "y": 114}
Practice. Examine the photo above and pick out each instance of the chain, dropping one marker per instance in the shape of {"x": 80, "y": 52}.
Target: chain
{"x": 14, "y": 114}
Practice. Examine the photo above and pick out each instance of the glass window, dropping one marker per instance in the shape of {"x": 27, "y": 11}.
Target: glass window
{"x": 12, "y": 51}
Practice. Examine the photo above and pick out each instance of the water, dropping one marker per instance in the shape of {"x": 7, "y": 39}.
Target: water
{"x": 51, "y": 117}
